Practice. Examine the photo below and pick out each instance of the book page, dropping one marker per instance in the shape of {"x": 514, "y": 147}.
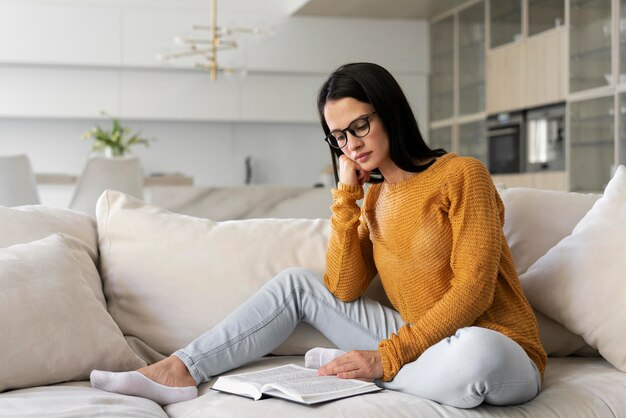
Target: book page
{"x": 294, "y": 383}
{"x": 282, "y": 374}
{"x": 316, "y": 385}
{"x": 299, "y": 380}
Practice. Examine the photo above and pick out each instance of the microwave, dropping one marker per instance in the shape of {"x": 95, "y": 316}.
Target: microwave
{"x": 529, "y": 140}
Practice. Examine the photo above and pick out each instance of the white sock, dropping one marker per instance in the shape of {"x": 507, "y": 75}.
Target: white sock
{"x": 136, "y": 384}
{"x": 317, "y": 357}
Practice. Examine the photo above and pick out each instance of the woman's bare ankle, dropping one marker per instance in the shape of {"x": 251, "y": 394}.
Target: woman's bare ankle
{"x": 170, "y": 371}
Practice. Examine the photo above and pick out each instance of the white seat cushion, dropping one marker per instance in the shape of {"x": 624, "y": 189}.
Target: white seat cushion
{"x": 75, "y": 400}
{"x": 573, "y": 388}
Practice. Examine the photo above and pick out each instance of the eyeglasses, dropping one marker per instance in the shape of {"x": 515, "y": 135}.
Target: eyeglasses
{"x": 358, "y": 128}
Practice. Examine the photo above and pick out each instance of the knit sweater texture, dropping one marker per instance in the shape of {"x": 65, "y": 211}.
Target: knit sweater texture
{"x": 437, "y": 244}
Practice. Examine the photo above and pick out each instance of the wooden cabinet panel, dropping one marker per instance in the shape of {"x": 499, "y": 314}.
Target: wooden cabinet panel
{"x": 554, "y": 180}
{"x": 544, "y": 76}
{"x": 504, "y": 78}
{"x": 527, "y": 74}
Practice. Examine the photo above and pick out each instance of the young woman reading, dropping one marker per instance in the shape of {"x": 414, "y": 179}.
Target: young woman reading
{"x": 460, "y": 332}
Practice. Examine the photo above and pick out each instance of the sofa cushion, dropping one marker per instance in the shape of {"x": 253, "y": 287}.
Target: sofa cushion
{"x": 75, "y": 400}
{"x": 580, "y": 282}
{"x": 558, "y": 341}
{"x": 535, "y": 220}
{"x": 23, "y": 224}
{"x": 54, "y": 327}
{"x": 572, "y": 387}
{"x": 169, "y": 278}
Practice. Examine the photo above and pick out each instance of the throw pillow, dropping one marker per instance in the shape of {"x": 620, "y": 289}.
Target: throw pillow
{"x": 535, "y": 220}
{"x": 558, "y": 341}
{"x": 23, "y": 224}
{"x": 169, "y": 278}
{"x": 580, "y": 282}
{"x": 53, "y": 326}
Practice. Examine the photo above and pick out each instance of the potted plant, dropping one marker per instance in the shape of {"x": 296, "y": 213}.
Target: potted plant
{"x": 115, "y": 142}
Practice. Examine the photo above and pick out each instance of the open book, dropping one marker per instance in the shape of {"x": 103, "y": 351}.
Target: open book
{"x": 294, "y": 383}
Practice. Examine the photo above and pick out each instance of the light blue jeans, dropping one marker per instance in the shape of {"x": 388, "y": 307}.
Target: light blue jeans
{"x": 473, "y": 366}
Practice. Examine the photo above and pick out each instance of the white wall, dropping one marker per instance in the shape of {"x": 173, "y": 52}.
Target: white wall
{"x": 62, "y": 62}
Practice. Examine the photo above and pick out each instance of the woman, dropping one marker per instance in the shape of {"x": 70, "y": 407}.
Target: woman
{"x": 461, "y": 333}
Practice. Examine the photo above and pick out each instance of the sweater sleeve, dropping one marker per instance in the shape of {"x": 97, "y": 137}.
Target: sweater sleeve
{"x": 476, "y": 226}
{"x": 349, "y": 258}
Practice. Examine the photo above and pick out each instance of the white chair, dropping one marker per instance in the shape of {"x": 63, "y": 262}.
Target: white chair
{"x": 17, "y": 181}
{"x": 122, "y": 174}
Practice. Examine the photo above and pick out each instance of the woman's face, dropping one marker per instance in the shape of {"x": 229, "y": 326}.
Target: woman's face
{"x": 369, "y": 152}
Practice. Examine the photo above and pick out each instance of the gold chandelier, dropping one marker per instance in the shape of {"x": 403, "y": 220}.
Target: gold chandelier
{"x": 208, "y": 48}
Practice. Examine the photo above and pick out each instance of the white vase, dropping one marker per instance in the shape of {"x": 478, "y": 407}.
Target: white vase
{"x": 109, "y": 153}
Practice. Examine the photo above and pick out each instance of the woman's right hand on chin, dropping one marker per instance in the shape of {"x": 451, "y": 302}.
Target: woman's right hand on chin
{"x": 350, "y": 173}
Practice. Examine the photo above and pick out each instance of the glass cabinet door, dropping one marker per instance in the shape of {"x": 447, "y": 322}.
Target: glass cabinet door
{"x": 473, "y": 140}
{"x": 622, "y": 42}
{"x": 590, "y": 44}
{"x": 472, "y": 59}
{"x": 505, "y": 18}
{"x": 442, "y": 69}
{"x": 441, "y": 138}
{"x": 592, "y": 144}
{"x": 545, "y": 15}
{"x": 621, "y": 159}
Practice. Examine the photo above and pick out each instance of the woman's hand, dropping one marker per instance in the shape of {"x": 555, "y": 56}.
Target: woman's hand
{"x": 350, "y": 173}
{"x": 360, "y": 364}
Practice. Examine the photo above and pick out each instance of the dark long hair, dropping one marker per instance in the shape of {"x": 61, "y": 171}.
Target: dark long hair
{"x": 372, "y": 84}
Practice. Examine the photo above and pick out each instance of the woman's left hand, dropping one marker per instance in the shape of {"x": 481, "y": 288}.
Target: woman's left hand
{"x": 359, "y": 364}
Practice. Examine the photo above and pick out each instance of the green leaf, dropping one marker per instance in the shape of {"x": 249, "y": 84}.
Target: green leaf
{"x": 119, "y": 138}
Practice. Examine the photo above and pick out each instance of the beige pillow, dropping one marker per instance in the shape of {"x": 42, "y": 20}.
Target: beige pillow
{"x": 23, "y": 224}
{"x": 169, "y": 278}
{"x": 536, "y": 220}
{"x": 558, "y": 341}
{"x": 53, "y": 326}
{"x": 580, "y": 282}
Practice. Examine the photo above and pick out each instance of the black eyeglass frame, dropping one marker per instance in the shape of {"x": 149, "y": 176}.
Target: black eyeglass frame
{"x": 330, "y": 137}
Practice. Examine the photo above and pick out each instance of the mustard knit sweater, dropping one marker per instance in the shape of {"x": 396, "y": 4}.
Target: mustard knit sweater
{"x": 436, "y": 241}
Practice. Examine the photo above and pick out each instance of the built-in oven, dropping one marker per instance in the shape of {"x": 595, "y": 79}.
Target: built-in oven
{"x": 505, "y": 133}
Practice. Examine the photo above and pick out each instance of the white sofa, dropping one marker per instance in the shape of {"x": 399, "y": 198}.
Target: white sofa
{"x": 139, "y": 282}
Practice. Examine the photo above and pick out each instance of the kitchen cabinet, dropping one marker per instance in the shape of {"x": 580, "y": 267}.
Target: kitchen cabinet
{"x": 505, "y": 20}
{"x": 592, "y": 143}
{"x": 544, "y": 78}
{"x": 504, "y": 78}
{"x": 457, "y": 81}
{"x": 622, "y": 42}
{"x": 531, "y": 71}
{"x": 545, "y": 15}
{"x": 442, "y": 72}
{"x": 471, "y": 40}
{"x": 590, "y": 34}
{"x": 441, "y": 138}
{"x": 622, "y": 129}
{"x": 472, "y": 141}
{"x": 527, "y": 74}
